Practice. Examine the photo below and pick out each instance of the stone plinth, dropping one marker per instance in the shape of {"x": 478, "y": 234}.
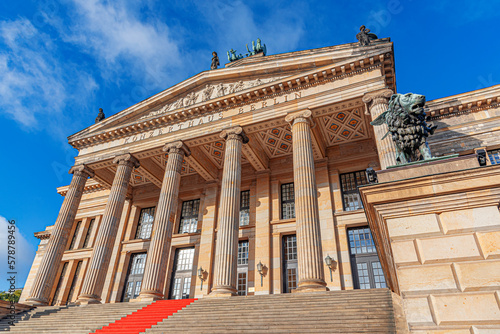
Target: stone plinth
{"x": 438, "y": 240}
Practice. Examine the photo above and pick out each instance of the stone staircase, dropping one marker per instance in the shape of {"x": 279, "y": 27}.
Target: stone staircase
{"x": 355, "y": 311}
{"x": 72, "y": 319}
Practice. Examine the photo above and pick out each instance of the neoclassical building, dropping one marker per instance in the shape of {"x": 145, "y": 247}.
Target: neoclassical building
{"x": 244, "y": 180}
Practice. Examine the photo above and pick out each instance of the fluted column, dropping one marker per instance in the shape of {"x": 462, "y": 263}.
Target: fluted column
{"x": 226, "y": 248}
{"x": 378, "y": 102}
{"x": 45, "y": 277}
{"x": 309, "y": 250}
{"x": 103, "y": 246}
{"x": 159, "y": 249}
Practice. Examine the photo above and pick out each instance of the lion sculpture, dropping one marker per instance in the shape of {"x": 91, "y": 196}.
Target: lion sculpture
{"x": 405, "y": 119}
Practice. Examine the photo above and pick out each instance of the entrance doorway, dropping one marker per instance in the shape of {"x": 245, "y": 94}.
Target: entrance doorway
{"x": 366, "y": 269}
{"x": 134, "y": 276}
{"x": 242, "y": 267}
{"x": 182, "y": 273}
{"x": 290, "y": 277}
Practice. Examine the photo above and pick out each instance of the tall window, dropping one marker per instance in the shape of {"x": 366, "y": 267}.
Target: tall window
{"x": 89, "y": 233}
{"x": 494, "y": 156}
{"x": 287, "y": 201}
{"x": 350, "y": 194}
{"x": 189, "y": 216}
{"x": 75, "y": 235}
{"x": 145, "y": 224}
{"x": 245, "y": 208}
{"x": 75, "y": 280}
{"x": 59, "y": 283}
{"x": 242, "y": 267}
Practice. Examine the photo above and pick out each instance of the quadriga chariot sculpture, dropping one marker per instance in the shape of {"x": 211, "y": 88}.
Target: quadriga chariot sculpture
{"x": 405, "y": 119}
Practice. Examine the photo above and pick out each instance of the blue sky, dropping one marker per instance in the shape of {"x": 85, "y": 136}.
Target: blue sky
{"x": 62, "y": 60}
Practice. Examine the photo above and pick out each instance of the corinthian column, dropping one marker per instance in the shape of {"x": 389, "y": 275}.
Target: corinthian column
{"x": 378, "y": 102}
{"x": 159, "y": 249}
{"x": 45, "y": 277}
{"x": 103, "y": 247}
{"x": 309, "y": 252}
{"x": 226, "y": 248}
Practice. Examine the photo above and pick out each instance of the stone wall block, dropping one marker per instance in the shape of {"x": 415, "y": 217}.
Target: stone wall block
{"x": 490, "y": 244}
{"x": 418, "y": 312}
{"x": 427, "y": 279}
{"x": 471, "y": 220}
{"x": 451, "y": 248}
{"x": 477, "y": 276}
{"x": 404, "y": 253}
{"x": 466, "y": 309}
{"x": 414, "y": 226}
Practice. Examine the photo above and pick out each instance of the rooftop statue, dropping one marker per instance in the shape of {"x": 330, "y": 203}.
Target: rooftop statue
{"x": 215, "y": 61}
{"x": 364, "y": 36}
{"x": 100, "y": 116}
{"x": 256, "y": 48}
{"x": 231, "y": 55}
{"x": 405, "y": 119}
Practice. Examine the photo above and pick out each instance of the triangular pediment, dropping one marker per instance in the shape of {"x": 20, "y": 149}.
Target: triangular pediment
{"x": 214, "y": 89}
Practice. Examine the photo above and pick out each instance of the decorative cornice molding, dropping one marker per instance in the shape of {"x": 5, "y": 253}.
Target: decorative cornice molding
{"x": 435, "y": 111}
{"x": 252, "y": 95}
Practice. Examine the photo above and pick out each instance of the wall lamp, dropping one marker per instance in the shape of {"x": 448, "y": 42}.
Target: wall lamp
{"x": 260, "y": 269}
{"x": 332, "y": 264}
{"x": 201, "y": 276}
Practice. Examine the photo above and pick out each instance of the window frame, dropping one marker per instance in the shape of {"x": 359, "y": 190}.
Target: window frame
{"x": 141, "y": 224}
{"x": 246, "y": 208}
{"x": 344, "y": 193}
{"x": 287, "y": 201}
{"x": 73, "y": 244}
{"x": 192, "y": 216}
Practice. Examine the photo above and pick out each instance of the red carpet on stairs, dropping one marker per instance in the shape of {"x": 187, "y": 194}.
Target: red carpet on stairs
{"x": 146, "y": 317}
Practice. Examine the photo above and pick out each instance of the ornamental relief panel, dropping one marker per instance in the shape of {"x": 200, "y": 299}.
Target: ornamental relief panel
{"x": 276, "y": 141}
{"x": 210, "y": 91}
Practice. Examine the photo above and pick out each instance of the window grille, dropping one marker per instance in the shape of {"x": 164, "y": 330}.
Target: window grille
{"x": 145, "y": 225}
{"x": 75, "y": 235}
{"x": 243, "y": 252}
{"x": 350, "y": 194}
{"x": 245, "y": 208}
{"x": 494, "y": 156}
{"x": 361, "y": 241}
{"x": 89, "y": 233}
{"x": 291, "y": 248}
{"x": 185, "y": 259}
{"x": 242, "y": 284}
{"x": 287, "y": 201}
{"x": 189, "y": 216}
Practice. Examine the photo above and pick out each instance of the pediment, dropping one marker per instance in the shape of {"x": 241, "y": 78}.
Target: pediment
{"x": 209, "y": 90}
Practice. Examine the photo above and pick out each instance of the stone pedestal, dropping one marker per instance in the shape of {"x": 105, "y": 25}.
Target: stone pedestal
{"x": 377, "y": 103}
{"x": 161, "y": 237}
{"x": 436, "y": 226}
{"x": 40, "y": 292}
{"x": 103, "y": 246}
{"x": 226, "y": 250}
{"x": 309, "y": 250}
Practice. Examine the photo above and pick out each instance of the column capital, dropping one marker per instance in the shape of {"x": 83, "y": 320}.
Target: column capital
{"x": 177, "y": 146}
{"x": 81, "y": 170}
{"x": 234, "y": 133}
{"x": 300, "y": 116}
{"x": 127, "y": 159}
{"x": 376, "y": 97}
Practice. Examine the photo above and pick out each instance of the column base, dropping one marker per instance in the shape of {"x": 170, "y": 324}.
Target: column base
{"x": 88, "y": 299}
{"x": 149, "y": 296}
{"x": 36, "y": 302}
{"x": 311, "y": 286}
{"x": 222, "y": 291}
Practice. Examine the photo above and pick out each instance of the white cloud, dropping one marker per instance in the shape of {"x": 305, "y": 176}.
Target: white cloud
{"x": 122, "y": 41}
{"x": 24, "y": 255}
{"x": 36, "y": 83}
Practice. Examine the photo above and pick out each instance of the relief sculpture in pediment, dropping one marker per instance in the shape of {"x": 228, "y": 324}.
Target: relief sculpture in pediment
{"x": 190, "y": 99}
{"x": 207, "y": 92}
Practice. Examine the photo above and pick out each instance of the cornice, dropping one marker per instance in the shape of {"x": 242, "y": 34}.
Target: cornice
{"x": 470, "y": 102}
{"x": 90, "y": 186}
{"x": 251, "y": 95}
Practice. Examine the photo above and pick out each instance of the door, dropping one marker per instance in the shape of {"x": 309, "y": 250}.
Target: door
{"x": 366, "y": 268}
{"x": 242, "y": 267}
{"x": 134, "y": 276}
{"x": 182, "y": 273}
{"x": 290, "y": 277}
